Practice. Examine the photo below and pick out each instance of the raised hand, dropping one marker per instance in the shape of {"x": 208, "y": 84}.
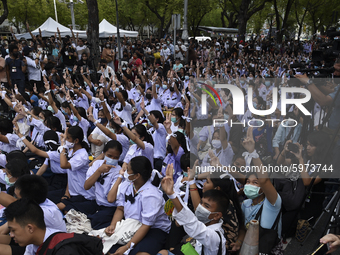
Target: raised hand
{"x": 249, "y": 143}
{"x": 104, "y": 168}
{"x": 192, "y": 171}
{"x": 167, "y": 181}
{"x": 116, "y": 119}
{"x": 167, "y": 122}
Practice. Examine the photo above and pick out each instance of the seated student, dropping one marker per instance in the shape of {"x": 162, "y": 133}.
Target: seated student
{"x": 140, "y": 199}
{"x": 141, "y": 140}
{"x": 33, "y": 187}
{"x": 176, "y": 148}
{"x": 27, "y": 227}
{"x": 205, "y": 225}
{"x": 76, "y": 162}
{"x": 8, "y": 140}
{"x": 105, "y": 176}
{"x": 58, "y": 182}
{"x": 233, "y": 217}
{"x": 157, "y": 129}
{"x": 15, "y": 168}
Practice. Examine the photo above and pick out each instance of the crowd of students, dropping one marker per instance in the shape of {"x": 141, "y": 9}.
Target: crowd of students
{"x": 122, "y": 142}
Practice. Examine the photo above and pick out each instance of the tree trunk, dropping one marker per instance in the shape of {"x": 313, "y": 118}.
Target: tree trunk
{"x": 93, "y": 31}
{"x": 222, "y": 19}
{"x": 4, "y": 15}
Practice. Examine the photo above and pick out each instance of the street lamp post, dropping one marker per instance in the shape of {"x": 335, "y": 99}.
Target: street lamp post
{"x": 118, "y": 35}
{"x": 72, "y": 14}
{"x": 55, "y": 11}
{"x": 185, "y": 23}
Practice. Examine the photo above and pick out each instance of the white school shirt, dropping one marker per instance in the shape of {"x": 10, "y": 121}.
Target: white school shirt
{"x": 125, "y": 113}
{"x": 62, "y": 119}
{"x": 102, "y": 190}
{"x": 42, "y": 103}
{"x": 171, "y": 100}
{"x": 54, "y": 158}
{"x": 76, "y": 175}
{"x": 138, "y": 100}
{"x": 82, "y": 102}
{"x": 12, "y": 145}
{"x": 84, "y": 124}
{"x": 154, "y": 105}
{"x": 53, "y": 217}
{"x": 125, "y": 142}
{"x": 31, "y": 249}
{"x": 224, "y": 155}
{"x": 2, "y": 160}
{"x": 148, "y": 207}
{"x": 135, "y": 151}
{"x": 159, "y": 139}
{"x": 204, "y": 235}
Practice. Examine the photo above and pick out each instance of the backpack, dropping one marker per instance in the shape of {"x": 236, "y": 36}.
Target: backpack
{"x": 61, "y": 243}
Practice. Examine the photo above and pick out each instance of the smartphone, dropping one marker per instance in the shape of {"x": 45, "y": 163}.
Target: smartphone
{"x": 293, "y": 147}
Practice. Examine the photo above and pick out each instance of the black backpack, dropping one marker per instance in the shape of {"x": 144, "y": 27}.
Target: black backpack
{"x": 71, "y": 244}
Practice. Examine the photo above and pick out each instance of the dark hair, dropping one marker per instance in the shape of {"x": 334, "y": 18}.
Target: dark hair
{"x": 142, "y": 131}
{"x": 158, "y": 115}
{"x": 181, "y": 140}
{"x": 65, "y": 105}
{"x": 32, "y": 187}
{"x": 54, "y": 122}
{"x": 24, "y": 212}
{"x": 227, "y": 186}
{"x": 6, "y": 126}
{"x": 36, "y": 110}
{"x": 16, "y": 154}
{"x": 124, "y": 95}
{"x": 187, "y": 160}
{"x": 18, "y": 167}
{"x": 113, "y": 144}
{"x": 321, "y": 141}
{"x": 117, "y": 127}
{"x": 178, "y": 112}
{"x": 82, "y": 112}
{"x": 51, "y": 135}
{"x": 77, "y": 133}
{"x": 12, "y": 47}
{"x": 47, "y": 114}
{"x": 219, "y": 197}
{"x": 142, "y": 165}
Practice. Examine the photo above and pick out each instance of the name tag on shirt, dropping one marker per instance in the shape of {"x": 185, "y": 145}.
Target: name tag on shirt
{"x": 14, "y": 69}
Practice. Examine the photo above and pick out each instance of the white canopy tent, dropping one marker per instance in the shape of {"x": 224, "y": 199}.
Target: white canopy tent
{"x": 49, "y": 28}
{"x": 106, "y": 29}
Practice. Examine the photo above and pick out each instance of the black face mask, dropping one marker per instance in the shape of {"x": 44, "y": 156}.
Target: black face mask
{"x": 16, "y": 54}
{"x": 169, "y": 149}
{"x": 172, "y": 89}
{"x": 148, "y": 96}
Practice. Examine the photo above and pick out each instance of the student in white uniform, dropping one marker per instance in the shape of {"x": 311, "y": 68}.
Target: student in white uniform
{"x": 76, "y": 161}
{"x": 139, "y": 198}
{"x": 205, "y": 225}
{"x": 157, "y": 129}
{"x": 105, "y": 176}
{"x": 176, "y": 116}
{"x": 113, "y": 132}
{"x": 97, "y": 138}
{"x": 15, "y": 168}
{"x": 58, "y": 181}
{"x": 8, "y": 140}
{"x": 141, "y": 140}
{"x": 123, "y": 109}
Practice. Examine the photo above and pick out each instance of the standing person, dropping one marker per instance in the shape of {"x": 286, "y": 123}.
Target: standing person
{"x": 33, "y": 67}
{"x": 108, "y": 54}
{"x": 15, "y": 69}
{"x": 82, "y": 49}
{"x": 69, "y": 54}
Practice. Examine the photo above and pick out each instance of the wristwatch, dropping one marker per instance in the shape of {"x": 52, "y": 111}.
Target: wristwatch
{"x": 309, "y": 82}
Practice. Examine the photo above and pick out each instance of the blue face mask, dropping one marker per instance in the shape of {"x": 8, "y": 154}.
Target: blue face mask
{"x": 185, "y": 174}
{"x": 110, "y": 161}
{"x": 287, "y": 74}
{"x": 157, "y": 85}
{"x": 254, "y": 104}
{"x": 103, "y": 120}
{"x": 164, "y": 86}
{"x": 173, "y": 119}
{"x": 132, "y": 142}
{"x": 186, "y": 77}
{"x": 149, "y": 123}
{"x": 242, "y": 82}
{"x": 64, "y": 112}
{"x": 8, "y": 182}
{"x": 75, "y": 118}
{"x": 267, "y": 83}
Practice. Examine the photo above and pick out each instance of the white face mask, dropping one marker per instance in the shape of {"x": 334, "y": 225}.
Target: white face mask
{"x": 203, "y": 214}
{"x": 126, "y": 177}
{"x": 216, "y": 144}
{"x": 69, "y": 145}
